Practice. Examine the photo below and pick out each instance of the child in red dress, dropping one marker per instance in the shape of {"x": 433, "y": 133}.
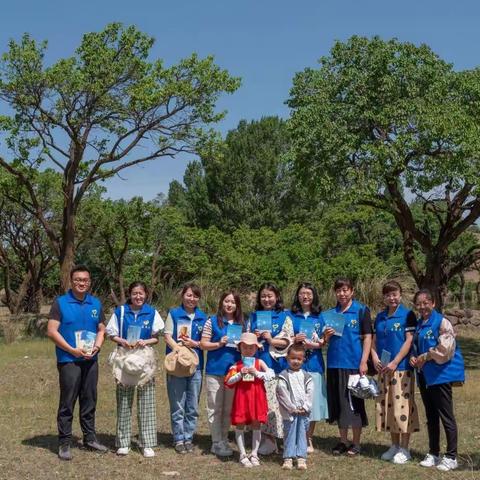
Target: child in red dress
{"x": 250, "y": 399}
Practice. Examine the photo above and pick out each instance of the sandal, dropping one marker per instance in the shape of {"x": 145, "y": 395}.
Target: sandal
{"x": 339, "y": 449}
{"x": 254, "y": 461}
{"x": 353, "y": 450}
{"x": 245, "y": 461}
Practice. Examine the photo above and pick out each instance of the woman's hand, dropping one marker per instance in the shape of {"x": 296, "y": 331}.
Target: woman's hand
{"x": 267, "y": 336}
{"x": 299, "y": 338}
{"x": 413, "y": 362}
{"x": 310, "y": 345}
{"x": 188, "y": 342}
{"x": 327, "y": 333}
{"x": 421, "y": 359}
{"x": 377, "y": 363}
{"x": 391, "y": 367}
{"x": 140, "y": 344}
{"x": 363, "y": 369}
{"x": 223, "y": 341}
{"x": 123, "y": 343}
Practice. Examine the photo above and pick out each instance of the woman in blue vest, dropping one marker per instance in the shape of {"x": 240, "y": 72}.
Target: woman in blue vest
{"x": 440, "y": 365}
{"x": 136, "y": 325}
{"x": 269, "y": 303}
{"x": 396, "y": 411}
{"x": 308, "y": 331}
{"x": 347, "y": 355}
{"x": 222, "y": 354}
{"x": 184, "y": 325}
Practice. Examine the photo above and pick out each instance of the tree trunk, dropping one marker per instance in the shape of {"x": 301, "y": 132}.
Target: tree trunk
{"x": 436, "y": 277}
{"x": 461, "y": 297}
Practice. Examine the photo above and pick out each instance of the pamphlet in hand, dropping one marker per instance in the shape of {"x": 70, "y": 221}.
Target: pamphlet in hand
{"x": 248, "y": 362}
{"x": 184, "y": 328}
{"x": 264, "y": 321}
{"x": 85, "y": 340}
{"x": 334, "y": 320}
{"x": 133, "y": 334}
{"x": 307, "y": 327}
{"x": 385, "y": 357}
{"x": 234, "y": 331}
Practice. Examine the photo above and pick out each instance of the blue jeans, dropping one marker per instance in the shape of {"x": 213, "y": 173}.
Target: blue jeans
{"x": 295, "y": 437}
{"x": 183, "y": 395}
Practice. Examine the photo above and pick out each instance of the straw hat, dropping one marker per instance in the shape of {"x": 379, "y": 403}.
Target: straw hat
{"x": 181, "y": 362}
{"x": 249, "y": 339}
{"x": 134, "y": 367}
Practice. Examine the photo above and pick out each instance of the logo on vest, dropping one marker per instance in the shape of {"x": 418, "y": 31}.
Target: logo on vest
{"x": 94, "y": 313}
{"x": 396, "y": 327}
{"x": 275, "y": 327}
{"x": 353, "y": 323}
{"x": 429, "y": 335}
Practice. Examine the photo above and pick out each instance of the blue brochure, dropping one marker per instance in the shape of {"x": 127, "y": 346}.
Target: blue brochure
{"x": 385, "y": 358}
{"x": 334, "y": 320}
{"x": 264, "y": 321}
{"x": 248, "y": 362}
{"x": 307, "y": 327}
{"x": 234, "y": 331}
{"x": 85, "y": 340}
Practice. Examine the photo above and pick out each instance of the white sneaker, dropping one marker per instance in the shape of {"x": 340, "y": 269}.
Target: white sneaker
{"x": 390, "y": 453}
{"x": 148, "y": 452}
{"x": 430, "y": 461}
{"x": 401, "y": 457}
{"x": 123, "y": 451}
{"x": 447, "y": 464}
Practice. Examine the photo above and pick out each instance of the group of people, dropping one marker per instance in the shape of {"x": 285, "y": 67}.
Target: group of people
{"x": 273, "y": 380}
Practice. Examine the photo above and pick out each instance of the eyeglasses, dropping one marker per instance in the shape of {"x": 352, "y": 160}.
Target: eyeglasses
{"x": 79, "y": 281}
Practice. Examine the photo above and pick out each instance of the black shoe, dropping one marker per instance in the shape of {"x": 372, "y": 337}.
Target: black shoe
{"x": 95, "y": 445}
{"x": 339, "y": 449}
{"x": 188, "y": 447}
{"x": 64, "y": 452}
{"x": 180, "y": 448}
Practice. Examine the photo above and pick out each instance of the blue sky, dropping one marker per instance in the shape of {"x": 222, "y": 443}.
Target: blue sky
{"x": 262, "y": 41}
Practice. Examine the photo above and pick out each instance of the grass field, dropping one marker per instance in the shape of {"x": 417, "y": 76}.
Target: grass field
{"x": 28, "y": 444}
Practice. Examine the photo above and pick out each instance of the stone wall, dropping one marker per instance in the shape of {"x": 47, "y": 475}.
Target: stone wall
{"x": 466, "y": 317}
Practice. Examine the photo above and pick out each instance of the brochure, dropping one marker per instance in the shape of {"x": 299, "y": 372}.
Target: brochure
{"x": 385, "y": 357}
{"x": 264, "y": 320}
{"x": 184, "y": 328}
{"x": 234, "y": 331}
{"x": 334, "y": 320}
{"x": 307, "y": 327}
{"x": 248, "y": 362}
{"x": 85, "y": 340}
{"x": 133, "y": 334}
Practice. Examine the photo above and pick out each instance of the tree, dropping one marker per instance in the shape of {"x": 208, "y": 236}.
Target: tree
{"x": 97, "y": 113}
{"x": 385, "y": 123}
{"x": 244, "y": 181}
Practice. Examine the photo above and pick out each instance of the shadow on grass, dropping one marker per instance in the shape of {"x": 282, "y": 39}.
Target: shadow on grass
{"x": 50, "y": 442}
{"x": 471, "y": 351}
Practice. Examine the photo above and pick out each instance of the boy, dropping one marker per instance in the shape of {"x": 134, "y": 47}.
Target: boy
{"x": 295, "y": 397}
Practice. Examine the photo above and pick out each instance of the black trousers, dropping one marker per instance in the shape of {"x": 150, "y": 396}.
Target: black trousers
{"x": 438, "y": 403}
{"x": 78, "y": 380}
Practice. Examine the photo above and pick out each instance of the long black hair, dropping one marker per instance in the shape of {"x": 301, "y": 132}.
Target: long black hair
{"x": 297, "y": 306}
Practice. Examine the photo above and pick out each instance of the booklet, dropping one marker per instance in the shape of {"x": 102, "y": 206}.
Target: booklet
{"x": 85, "y": 340}
{"x": 307, "y": 327}
{"x": 385, "y": 357}
{"x": 133, "y": 334}
{"x": 248, "y": 362}
{"x": 264, "y": 320}
{"x": 234, "y": 331}
{"x": 184, "y": 328}
{"x": 334, "y": 320}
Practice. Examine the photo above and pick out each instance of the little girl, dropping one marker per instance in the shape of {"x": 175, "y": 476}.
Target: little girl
{"x": 250, "y": 398}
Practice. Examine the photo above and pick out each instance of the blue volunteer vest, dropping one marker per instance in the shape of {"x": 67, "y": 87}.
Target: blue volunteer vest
{"x": 390, "y": 334}
{"x": 346, "y": 351}
{"x": 76, "y": 315}
{"x": 313, "y": 358}
{"x": 278, "y": 319}
{"x": 179, "y": 313}
{"x": 426, "y": 337}
{"x": 144, "y": 320}
{"x": 220, "y": 360}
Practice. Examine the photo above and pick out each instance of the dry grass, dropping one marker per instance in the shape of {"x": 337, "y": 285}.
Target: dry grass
{"x": 29, "y": 396}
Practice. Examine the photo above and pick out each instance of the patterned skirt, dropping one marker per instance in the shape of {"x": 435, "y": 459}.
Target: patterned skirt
{"x": 396, "y": 411}
{"x": 274, "y": 425}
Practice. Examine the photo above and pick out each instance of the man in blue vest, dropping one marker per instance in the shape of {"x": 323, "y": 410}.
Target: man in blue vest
{"x": 76, "y": 325}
